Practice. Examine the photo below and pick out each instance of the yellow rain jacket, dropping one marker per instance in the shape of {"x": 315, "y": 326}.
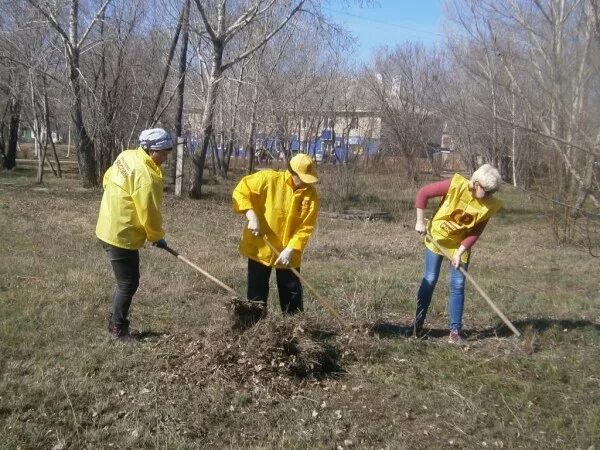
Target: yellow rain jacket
{"x": 457, "y": 216}
{"x": 285, "y": 215}
{"x": 130, "y": 212}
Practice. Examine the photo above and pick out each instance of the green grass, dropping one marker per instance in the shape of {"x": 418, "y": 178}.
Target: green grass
{"x": 63, "y": 382}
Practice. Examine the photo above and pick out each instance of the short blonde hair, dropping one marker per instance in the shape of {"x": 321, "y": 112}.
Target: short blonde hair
{"x": 488, "y": 178}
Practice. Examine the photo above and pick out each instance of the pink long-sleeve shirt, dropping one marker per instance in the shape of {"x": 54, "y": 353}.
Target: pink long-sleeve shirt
{"x": 440, "y": 189}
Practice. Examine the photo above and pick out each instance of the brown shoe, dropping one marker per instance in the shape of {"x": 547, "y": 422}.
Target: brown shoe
{"x": 120, "y": 333}
{"x": 455, "y": 338}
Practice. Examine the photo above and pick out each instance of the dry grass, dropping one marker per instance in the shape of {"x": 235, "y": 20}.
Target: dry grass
{"x": 190, "y": 380}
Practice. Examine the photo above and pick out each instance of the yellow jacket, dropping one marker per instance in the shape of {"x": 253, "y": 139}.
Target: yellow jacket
{"x": 130, "y": 212}
{"x": 458, "y": 214}
{"x": 286, "y": 216}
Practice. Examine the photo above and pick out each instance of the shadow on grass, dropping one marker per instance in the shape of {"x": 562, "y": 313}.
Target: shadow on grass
{"x": 539, "y": 325}
{"x": 148, "y": 335}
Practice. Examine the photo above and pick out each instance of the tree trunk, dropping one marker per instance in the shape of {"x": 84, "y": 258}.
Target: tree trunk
{"x": 217, "y": 163}
{"x": 58, "y": 172}
{"x": 85, "y": 151}
{"x": 13, "y": 134}
{"x": 250, "y": 145}
{"x": 231, "y": 141}
{"x": 207, "y": 124}
{"x": 513, "y": 141}
{"x": 181, "y": 85}
{"x": 165, "y": 74}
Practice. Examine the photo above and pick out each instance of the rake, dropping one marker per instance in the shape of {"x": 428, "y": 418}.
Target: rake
{"x": 479, "y": 289}
{"x": 334, "y": 312}
{"x": 202, "y": 271}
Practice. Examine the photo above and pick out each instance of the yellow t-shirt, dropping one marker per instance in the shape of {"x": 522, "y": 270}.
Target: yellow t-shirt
{"x": 458, "y": 214}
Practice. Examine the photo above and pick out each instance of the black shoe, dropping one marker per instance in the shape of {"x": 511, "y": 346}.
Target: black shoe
{"x": 417, "y": 330}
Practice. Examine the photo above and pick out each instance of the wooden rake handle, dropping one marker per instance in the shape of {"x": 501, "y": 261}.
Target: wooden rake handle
{"x": 202, "y": 271}
{"x": 321, "y": 300}
{"x": 479, "y": 289}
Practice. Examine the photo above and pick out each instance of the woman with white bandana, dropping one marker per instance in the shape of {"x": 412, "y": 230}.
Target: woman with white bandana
{"x": 131, "y": 214}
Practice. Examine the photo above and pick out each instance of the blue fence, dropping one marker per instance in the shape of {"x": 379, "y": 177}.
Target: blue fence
{"x": 326, "y": 147}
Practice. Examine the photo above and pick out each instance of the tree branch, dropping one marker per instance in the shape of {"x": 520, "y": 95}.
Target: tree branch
{"x": 91, "y": 25}
{"x": 53, "y": 22}
{"x": 209, "y": 29}
{"x": 546, "y": 135}
{"x": 266, "y": 39}
{"x": 242, "y": 21}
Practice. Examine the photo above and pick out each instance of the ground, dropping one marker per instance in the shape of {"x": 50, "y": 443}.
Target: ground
{"x": 189, "y": 381}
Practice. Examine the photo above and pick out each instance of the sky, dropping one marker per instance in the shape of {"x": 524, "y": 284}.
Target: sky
{"x": 389, "y": 22}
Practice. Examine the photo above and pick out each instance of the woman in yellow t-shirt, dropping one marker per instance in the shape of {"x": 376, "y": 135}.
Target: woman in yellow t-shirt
{"x": 466, "y": 207}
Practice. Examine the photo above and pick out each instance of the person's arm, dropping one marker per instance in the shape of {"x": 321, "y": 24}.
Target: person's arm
{"x": 246, "y": 190}
{"x": 302, "y": 234}
{"x": 428, "y": 191}
{"x": 250, "y": 186}
{"x": 421, "y": 226}
{"x": 148, "y": 203}
{"x": 468, "y": 242}
{"x": 472, "y": 237}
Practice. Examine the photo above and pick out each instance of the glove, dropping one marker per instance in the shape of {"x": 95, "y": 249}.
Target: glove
{"x": 161, "y": 243}
{"x": 284, "y": 256}
{"x": 253, "y": 225}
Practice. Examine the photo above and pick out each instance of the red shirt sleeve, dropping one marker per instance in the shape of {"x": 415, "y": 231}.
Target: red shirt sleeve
{"x": 436, "y": 189}
{"x": 470, "y": 240}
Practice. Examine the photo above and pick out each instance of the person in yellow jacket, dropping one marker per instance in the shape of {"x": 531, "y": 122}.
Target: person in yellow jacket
{"x": 466, "y": 208}
{"x": 131, "y": 214}
{"x": 281, "y": 206}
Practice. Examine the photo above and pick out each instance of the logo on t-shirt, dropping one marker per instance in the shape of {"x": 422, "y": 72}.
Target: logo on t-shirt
{"x": 458, "y": 220}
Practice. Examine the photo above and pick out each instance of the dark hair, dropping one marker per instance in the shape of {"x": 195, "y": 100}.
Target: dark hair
{"x": 290, "y": 169}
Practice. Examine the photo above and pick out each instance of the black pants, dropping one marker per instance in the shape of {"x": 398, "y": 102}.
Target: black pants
{"x": 126, "y": 267}
{"x": 288, "y": 285}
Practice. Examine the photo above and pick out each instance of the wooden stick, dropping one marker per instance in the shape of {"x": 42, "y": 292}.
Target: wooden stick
{"x": 202, "y": 271}
{"x": 481, "y": 291}
{"x": 321, "y": 300}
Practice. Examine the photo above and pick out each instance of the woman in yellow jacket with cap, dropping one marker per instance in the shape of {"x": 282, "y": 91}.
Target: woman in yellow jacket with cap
{"x": 130, "y": 214}
{"x": 281, "y": 206}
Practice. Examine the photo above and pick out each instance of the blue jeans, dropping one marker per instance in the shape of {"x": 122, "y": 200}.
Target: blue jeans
{"x": 431, "y": 272}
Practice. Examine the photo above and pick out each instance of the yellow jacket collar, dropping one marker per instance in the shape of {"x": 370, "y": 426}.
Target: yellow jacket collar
{"x": 148, "y": 160}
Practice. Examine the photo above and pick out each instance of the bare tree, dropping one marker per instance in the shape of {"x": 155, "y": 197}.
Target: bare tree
{"x": 74, "y": 43}
{"x": 545, "y": 59}
{"x": 183, "y": 17}
{"x": 406, "y": 85}
{"x": 13, "y": 74}
{"x": 12, "y": 113}
{"x": 221, "y": 28}
{"x": 183, "y": 62}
